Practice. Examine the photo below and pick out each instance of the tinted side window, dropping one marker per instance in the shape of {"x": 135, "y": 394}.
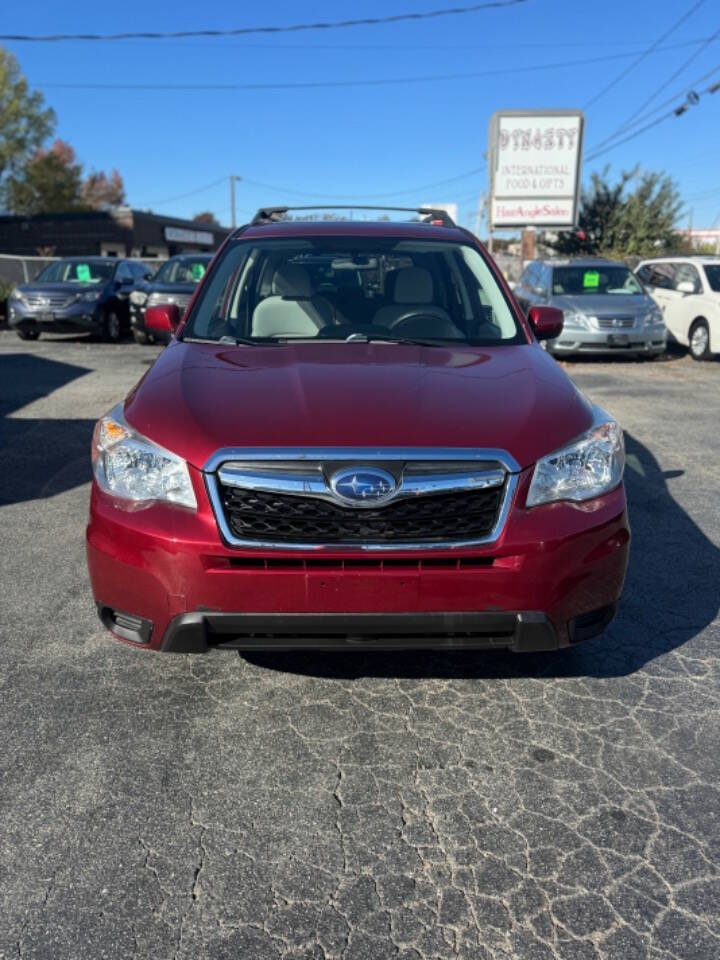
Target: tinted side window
{"x": 531, "y": 275}
{"x": 687, "y": 273}
{"x": 660, "y": 275}
{"x": 124, "y": 272}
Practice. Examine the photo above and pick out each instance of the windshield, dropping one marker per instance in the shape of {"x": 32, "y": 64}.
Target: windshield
{"x": 338, "y": 287}
{"x": 76, "y": 271}
{"x": 712, "y": 272}
{"x": 594, "y": 281}
{"x": 187, "y": 270}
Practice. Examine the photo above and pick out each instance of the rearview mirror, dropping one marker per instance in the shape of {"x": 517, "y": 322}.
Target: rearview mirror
{"x": 164, "y": 318}
{"x": 546, "y": 322}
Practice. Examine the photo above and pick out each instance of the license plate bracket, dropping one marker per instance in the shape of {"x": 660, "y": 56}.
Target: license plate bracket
{"x": 46, "y": 316}
{"x": 619, "y": 339}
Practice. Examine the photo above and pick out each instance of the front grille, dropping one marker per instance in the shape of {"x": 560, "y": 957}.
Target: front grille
{"x": 48, "y": 301}
{"x": 615, "y": 323}
{"x": 281, "y": 518}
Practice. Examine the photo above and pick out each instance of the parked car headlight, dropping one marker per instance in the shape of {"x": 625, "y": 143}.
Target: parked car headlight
{"x": 138, "y": 297}
{"x": 589, "y": 467}
{"x": 653, "y": 319}
{"x": 131, "y": 467}
{"x": 16, "y": 294}
{"x": 90, "y": 296}
{"x": 575, "y": 320}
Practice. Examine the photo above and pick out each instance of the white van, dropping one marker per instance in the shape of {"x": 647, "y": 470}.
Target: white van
{"x": 687, "y": 290}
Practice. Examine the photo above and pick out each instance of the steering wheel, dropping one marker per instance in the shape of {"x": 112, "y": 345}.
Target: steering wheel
{"x": 419, "y": 324}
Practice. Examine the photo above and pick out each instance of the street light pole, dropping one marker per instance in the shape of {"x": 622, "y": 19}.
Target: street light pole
{"x": 233, "y": 178}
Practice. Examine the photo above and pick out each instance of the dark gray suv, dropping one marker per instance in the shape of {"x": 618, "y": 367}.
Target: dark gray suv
{"x": 606, "y": 309}
{"x": 77, "y": 295}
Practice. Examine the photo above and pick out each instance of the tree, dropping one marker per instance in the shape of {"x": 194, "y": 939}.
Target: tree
{"x": 25, "y": 122}
{"x": 101, "y": 191}
{"x": 206, "y": 217}
{"x": 615, "y": 222}
{"x": 51, "y": 182}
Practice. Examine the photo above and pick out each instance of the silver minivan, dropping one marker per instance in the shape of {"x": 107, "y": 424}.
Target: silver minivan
{"x": 606, "y": 308}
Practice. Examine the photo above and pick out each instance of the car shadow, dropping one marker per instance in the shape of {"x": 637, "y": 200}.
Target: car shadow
{"x": 671, "y": 595}
{"x": 40, "y": 457}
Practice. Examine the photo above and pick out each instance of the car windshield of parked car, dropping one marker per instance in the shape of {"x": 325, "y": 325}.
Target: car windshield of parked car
{"x": 183, "y": 271}
{"x": 76, "y": 271}
{"x": 712, "y": 272}
{"x": 335, "y": 288}
{"x": 577, "y": 281}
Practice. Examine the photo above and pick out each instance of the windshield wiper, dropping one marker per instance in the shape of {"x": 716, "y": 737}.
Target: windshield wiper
{"x": 416, "y": 341}
{"x": 234, "y": 341}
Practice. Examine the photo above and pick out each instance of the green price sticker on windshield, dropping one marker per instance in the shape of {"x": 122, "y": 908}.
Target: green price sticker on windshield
{"x": 591, "y": 279}
{"x": 82, "y": 272}
{"x": 198, "y": 271}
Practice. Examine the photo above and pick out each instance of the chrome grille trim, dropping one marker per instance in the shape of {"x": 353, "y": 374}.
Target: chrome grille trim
{"x": 48, "y": 301}
{"x": 314, "y": 484}
{"x": 309, "y": 482}
{"x": 615, "y": 323}
{"x": 361, "y": 455}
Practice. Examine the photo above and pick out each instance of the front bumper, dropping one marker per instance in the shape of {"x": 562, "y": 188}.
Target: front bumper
{"x": 542, "y": 584}
{"x": 78, "y": 318}
{"x": 650, "y": 341}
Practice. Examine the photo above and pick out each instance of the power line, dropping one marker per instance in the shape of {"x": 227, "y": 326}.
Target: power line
{"x": 678, "y": 111}
{"x": 366, "y": 196}
{"x": 244, "y": 31}
{"x": 663, "y": 86}
{"x": 318, "y": 84}
{"x": 643, "y": 55}
{"x": 182, "y": 196}
{"x": 323, "y": 196}
{"x": 659, "y": 107}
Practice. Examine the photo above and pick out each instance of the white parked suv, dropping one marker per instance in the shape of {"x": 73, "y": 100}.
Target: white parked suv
{"x": 687, "y": 290}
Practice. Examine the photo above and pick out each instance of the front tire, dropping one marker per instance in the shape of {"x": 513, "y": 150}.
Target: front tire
{"x": 28, "y": 334}
{"x": 699, "y": 340}
{"x": 111, "y": 327}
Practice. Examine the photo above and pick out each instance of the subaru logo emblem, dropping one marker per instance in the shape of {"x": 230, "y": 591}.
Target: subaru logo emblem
{"x": 362, "y": 486}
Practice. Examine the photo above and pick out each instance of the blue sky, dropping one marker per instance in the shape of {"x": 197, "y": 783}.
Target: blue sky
{"x": 368, "y": 140}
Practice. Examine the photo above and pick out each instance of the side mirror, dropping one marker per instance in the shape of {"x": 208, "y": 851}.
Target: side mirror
{"x": 685, "y": 286}
{"x": 164, "y": 318}
{"x": 546, "y": 322}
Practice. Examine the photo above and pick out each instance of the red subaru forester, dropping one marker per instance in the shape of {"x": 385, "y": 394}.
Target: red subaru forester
{"x": 355, "y": 440}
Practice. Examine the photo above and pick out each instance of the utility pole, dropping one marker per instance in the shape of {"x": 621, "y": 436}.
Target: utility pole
{"x": 233, "y": 178}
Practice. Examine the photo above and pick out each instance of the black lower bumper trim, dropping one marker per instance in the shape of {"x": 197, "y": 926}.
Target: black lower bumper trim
{"x": 196, "y": 632}
{"x": 592, "y": 624}
{"x": 127, "y": 626}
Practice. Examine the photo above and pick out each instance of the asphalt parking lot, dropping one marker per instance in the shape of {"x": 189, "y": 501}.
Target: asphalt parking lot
{"x": 360, "y": 806}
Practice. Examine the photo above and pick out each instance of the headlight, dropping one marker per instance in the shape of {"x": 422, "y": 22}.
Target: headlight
{"x": 138, "y": 297}
{"x": 577, "y": 320}
{"x": 653, "y": 319}
{"x": 128, "y": 466}
{"x": 16, "y": 294}
{"x": 90, "y": 296}
{"x": 591, "y": 466}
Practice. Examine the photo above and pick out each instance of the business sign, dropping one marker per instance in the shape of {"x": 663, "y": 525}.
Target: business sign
{"x": 181, "y": 235}
{"x": 534, "y": 161}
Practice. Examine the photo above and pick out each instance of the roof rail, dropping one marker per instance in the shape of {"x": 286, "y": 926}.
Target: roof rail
{"x": 431, "y": 215}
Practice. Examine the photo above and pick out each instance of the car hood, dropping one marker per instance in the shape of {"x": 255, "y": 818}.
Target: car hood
{"x": 198, "y": 398}
{"x": 68, "y": 288}
{"x": 604, "y": 305}
{"x": 172, "y": 287}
